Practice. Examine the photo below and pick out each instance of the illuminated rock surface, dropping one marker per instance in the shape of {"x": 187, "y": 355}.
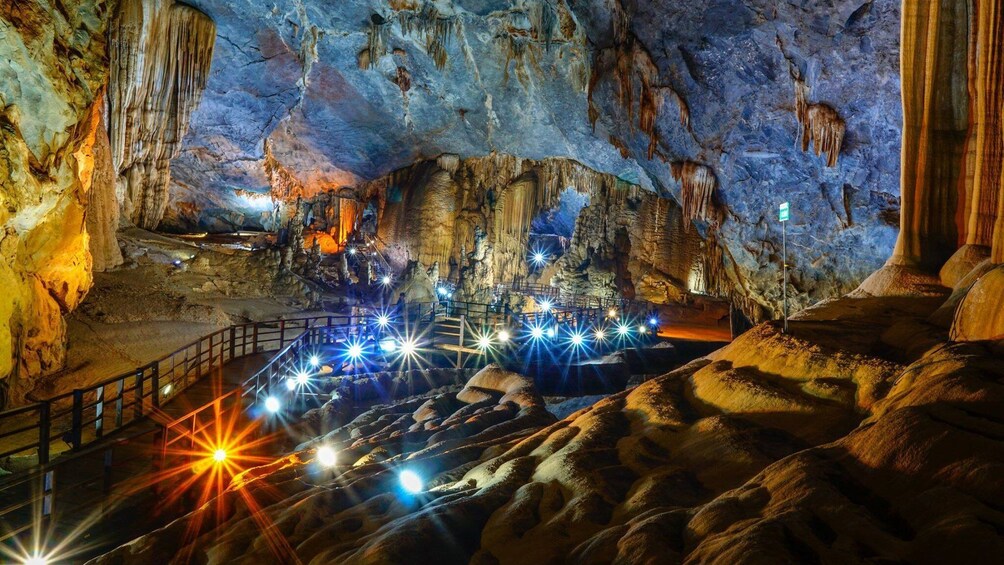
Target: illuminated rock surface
{"x": 50, "y": 108}
{"x": 842, "y": 441}
{"x": 631, "y": 89}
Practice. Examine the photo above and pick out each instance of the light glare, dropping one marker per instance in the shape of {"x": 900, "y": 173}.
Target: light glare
{"x": 383, "y": 320}
{"x": 302, "y": 378}
{"x": 272, "y": 404}
{"x": 355, "y": 351}
{"x": 326, "y": 456}
{"x": 504, "y": 336}
{"x": 411, "y": 482}
{"x": 537, "y": 332}
{"x": 314, "y": 361}
{"x": 220, "y": 455}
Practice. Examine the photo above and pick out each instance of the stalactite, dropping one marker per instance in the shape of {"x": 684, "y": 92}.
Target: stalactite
{"x": 630, "y": 62}
{"x": 821, "y": 126}
{"x": 448, "y": 162}
{"x": 161, "y": 53}
{"x": 284, "y": 186}
{"x": 698, "y": 184}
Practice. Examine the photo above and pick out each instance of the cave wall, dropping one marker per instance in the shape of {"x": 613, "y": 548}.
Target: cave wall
{"x": 430, "y": 212}
{"x": 53, "y": 70}
{"x": 796, "y": 102}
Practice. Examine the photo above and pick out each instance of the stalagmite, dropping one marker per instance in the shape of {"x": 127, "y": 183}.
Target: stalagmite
{"x": 698, "y": 184}
{"x": 102, "y": 207}
{"x": 161, "y": 53}
{"x": 933, "y": 52}
{"x": 985, "y": 226}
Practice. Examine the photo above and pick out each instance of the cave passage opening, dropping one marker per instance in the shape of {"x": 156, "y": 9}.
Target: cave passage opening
{"x": 551, "y": 230}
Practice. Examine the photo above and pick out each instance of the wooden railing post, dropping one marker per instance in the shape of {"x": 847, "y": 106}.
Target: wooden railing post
{"x": 77, "y": 419}
{"x": 233, "y": 340}
{"x": 282, "y": 334}
{"x": 44, "y": 427}
{"x": 254, "y": 338}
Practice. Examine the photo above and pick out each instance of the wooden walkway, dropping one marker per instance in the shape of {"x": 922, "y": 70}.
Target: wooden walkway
{"x": 108, "y": 493}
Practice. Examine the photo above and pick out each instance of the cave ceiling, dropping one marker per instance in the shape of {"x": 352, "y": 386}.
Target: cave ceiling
{"x": 347, "y": 92}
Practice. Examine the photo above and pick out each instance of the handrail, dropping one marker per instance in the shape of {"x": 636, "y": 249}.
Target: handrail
{"x": 84, "y": 415}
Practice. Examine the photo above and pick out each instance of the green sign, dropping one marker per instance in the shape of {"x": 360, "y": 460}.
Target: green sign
{"x": 784, "y": 212}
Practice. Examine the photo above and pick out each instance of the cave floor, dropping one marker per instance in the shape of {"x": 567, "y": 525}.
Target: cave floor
{"x": 150, "y": 307}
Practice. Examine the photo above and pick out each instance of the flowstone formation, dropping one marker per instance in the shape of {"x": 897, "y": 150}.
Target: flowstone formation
{"x": 161, "y": 54}
{"x": 475, "y": 218}
{"x": 95, "y": 100}
{"x": 51, "y": 80}
{"x": 742, "y": 104}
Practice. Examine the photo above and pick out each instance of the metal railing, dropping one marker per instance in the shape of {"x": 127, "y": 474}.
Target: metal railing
{"x": 28, "y": 498}
{"x": 31, "y": 435}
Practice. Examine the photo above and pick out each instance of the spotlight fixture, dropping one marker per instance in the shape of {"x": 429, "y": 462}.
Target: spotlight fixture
{"x": 326, "y": 456}
{"x": 36, "y": 560}
{"x": 612, "y": 313}
{"x": 442, "y": 291}
{"x": 272, "y": 404}
{"x": 383, "y": 320}
{"x": 484, "y": 342}
{"x": 545, "y": 305}
{"x": 623, "y": 329}
{"x": 302, "y": 378}
{"x": 536, "y": 332}
{"x": 352, "y": 251}
{"x": 551, "y": 332}
{"x": 539, "y": 258}
{"x": 600, "y": 335}
{"x": 642, "y": 329}
{"x": 290, "y": 384}
{"x": 167, "y": 389}
{"x": 388, "y": 346}
{"x": 177, "y": 262}
{"x": 411, "y": 482}
{"x": 577, "y": 339}
{"x": 504, "y": 336}
{"x": 408, "y": 347}
{"x": 220, "y": 455}
{"x": 653, "y": 321}
{"x": 314, "y": 361}
{"x": 355, "y": 351}
{"x": 385, "y": 280}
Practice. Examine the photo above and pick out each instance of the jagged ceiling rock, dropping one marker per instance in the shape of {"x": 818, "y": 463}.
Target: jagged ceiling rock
{"x": 715, "y": 82}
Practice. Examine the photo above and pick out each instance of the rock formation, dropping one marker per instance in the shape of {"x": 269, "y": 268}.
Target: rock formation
{"x": 52, "y": 71}
{"x": 103, "y": 206}
{"x": 857, "y": 435}
{"x": 160, "y": 52}
{"x": 624, "y": 88}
